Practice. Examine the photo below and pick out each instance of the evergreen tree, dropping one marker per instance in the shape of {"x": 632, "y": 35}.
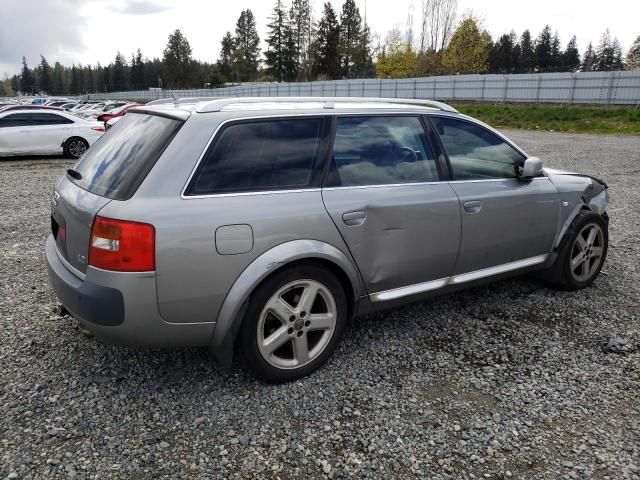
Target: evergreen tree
{"x": 27, "y": 79}
{"x": 177, "y": 60}
{"x": 502, "y": 58}
{"x": 74, "y": 87}
{"x": 571, "y": 56}
{"x": 119, "y": 74}
{"x": 633, "y": 57}
{"x": 301, "y": 34}
{"x": 277, "y": 40}
{"x": 89, "y": 80}
{"x": 543, "y": 60}
{"x": 45, "y": 75}
{"x": 588, "y": 59}
{"x": 247, "y": 47}
{"x": 397, "y": 59}
{"x": 350, "y": 37}
{"x": 468, "y": 50}
{"x": 608, "y": 54}
{"x": 227, "y": 46}
{"x": 556, "y": 54}
{"x": 326, "y": 63}
{"x": 136, "y": 73}
{"x": 527, "y": 54}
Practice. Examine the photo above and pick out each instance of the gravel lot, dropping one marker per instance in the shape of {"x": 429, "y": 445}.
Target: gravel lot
{"x": 502, "y": 381}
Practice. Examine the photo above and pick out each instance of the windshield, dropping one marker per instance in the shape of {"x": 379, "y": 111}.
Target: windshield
{"x": 118, "y": 163}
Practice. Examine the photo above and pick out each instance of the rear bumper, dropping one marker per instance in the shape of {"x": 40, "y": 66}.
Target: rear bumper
{"x": 90, "y": 302}
{"x": 120, "y": 308}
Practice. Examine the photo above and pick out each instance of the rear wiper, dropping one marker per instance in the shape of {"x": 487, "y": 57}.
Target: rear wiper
{"x": 74, "y": 174}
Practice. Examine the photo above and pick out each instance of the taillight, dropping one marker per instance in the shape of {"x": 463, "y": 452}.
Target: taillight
{"x": 122, "y": 246}
{"x": 98, "y": 129}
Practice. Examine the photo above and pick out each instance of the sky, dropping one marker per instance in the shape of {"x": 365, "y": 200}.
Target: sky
{"x": 90, "y": 31}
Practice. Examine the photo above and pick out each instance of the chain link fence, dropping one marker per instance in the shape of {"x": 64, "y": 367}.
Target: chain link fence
{"x": 604, "y": 88}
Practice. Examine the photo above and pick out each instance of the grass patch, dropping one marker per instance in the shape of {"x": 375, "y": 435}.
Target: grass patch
{"x": 614, "y": 120}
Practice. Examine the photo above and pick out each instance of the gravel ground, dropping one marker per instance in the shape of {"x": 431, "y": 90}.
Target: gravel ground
{"x": 504, "y": 381}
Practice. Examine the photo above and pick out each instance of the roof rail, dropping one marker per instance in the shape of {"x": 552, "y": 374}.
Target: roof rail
{"x": 179, "y": 101}
{"x": 329, "y": 102}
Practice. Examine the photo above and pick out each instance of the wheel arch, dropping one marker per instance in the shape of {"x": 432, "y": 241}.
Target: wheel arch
{"x": 276, "y": 259}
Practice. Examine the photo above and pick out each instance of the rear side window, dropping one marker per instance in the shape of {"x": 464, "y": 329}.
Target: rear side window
{"x": 278, "y": 154}
{"x": 381, "y": 151}
{"x": 15, "y": 120}
{"x": 476, "y": 153}
{"x": 118, "y": 163}
{"x": 48, "y": 119}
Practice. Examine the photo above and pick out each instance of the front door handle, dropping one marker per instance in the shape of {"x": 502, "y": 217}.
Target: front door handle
{"x": 354, "y": 218}
{"x": 472, "y": 206}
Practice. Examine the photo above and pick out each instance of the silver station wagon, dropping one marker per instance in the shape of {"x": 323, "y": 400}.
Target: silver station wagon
{"x": 262, "y": 225}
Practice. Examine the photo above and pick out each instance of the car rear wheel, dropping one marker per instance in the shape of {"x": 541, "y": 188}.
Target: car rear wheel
{"x": 75, "y": 147}
{"x": 582, "y": 252}
{"x": 293, "y": 323}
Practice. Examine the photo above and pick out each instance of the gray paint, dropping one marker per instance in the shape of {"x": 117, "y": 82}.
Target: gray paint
{"x": 391, "y": 242}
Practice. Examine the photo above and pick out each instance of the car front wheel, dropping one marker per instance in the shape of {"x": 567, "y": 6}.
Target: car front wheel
{"x": 293, "y": 323}
{"x": 582, "y": 253}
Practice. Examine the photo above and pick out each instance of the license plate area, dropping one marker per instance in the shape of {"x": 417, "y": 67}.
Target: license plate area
{"x": 59, "y": 231}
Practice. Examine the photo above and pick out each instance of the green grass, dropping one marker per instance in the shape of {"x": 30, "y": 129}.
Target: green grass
{"x": 612, "y": 120}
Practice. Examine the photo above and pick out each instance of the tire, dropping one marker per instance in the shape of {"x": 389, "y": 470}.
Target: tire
{"x": 275, "y": 335}
{"x": 572, "y": 270}
{"x": 75, "y": 147}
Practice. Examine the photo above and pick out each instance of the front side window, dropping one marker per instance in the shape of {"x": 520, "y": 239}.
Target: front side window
{"x": 15, "y": 120}
{"x": 262, "y": 155}
{"x": 39, "y": 119}
{"x": 475, "y": 153}
{"x": 380, "y": 150}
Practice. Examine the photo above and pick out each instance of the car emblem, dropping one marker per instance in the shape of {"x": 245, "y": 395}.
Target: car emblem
{"x": 56, "y": 198}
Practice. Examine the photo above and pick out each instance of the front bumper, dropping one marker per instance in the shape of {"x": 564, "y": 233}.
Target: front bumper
{"x": 120, "y": 308}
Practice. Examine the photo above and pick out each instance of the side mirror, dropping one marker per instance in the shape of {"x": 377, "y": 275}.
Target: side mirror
{"x": 532, "y": 168}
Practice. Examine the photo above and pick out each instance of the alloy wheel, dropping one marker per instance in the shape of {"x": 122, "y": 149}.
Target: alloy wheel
{"x": 586, "y": 252}
{"x": 77, "y": 148}
{"x": 296, "y": 324}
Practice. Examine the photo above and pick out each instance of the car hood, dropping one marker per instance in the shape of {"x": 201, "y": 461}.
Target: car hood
{"x": 552, "y": 172}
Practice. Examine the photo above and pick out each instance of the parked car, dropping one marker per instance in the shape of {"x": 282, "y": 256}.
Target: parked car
{"x": 265, "y": 224}
{"x": 57, "y": 103}
{"x": 110, "y": 123}
{"x": 68, "y": 106}
{"x": 116, "y": 112}
{"x": 46, "y": 132}
{"x": 94, "y": 111}
{"x": 27, "y": 107}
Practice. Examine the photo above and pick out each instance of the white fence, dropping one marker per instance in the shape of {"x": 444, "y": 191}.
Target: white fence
{"x": 606, "y": 88}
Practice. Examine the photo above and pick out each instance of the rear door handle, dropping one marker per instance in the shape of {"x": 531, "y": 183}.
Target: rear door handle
{"x": 472, "y": 206}
{"x": 354, "y": 218}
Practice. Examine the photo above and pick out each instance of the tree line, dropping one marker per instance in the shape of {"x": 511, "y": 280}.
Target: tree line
{"x": 337, "y": 45}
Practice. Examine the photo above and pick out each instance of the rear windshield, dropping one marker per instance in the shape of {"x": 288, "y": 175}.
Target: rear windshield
{"x": 118, "y": 163}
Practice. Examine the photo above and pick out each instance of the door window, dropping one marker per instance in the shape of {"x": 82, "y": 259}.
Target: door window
{"x": 262, "y": 155}
{"x": 15, "y": 120}
{"x": 40, "y": 119}
{"x": 381, "y": 150}
{"x": 475, "y": 153}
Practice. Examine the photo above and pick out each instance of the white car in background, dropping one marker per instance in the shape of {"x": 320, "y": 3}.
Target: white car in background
{"x": 46, "y": 132}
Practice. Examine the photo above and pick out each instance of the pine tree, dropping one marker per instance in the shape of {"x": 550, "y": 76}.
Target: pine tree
{"x": 227, "y": 45}
{"x": 501, "y": 55}
{"x": 247, "y": 47}
{"x": 588, "y": 59}
{"x": 136, "y": 74}
{"x": 527, "y": 54}
{"x": 468, "y": 49}
{"x": 350, "y": 37}
{"x": 45, "y": 75}
{"x": 556, "y": 54}
{"x": 301, "y": 33}
{"x": 571, "y": 56}
{"x": 177, "y": 60}
{"x": 543, "y": 59}
{"x": 276, "y": 39}
{"x": 27, "y": 79}
{"x": 633, "y": 57}
{"x": 118, "y": 74}
{"x": 89, "y": 80}
{"x": 608, "y": 54}
{"x": 326, "y": 63}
